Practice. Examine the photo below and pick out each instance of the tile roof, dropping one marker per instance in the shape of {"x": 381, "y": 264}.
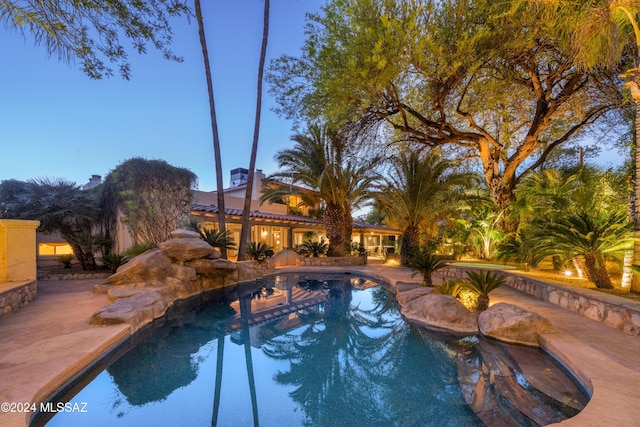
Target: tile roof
{"x": 358, "y": 225}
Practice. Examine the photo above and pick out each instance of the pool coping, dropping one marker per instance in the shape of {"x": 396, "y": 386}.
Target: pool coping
{"x": 605, "y": 360}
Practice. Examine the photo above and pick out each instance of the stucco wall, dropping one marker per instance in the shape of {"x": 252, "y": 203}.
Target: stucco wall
{"x": 17, "y": 250}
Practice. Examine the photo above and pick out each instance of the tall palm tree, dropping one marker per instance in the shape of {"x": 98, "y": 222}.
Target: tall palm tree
{"x": 419, "y": 190}
{"x": 246, "y": 227}
{"x": 343, "y": 180}
{"x": 214, "y": 125}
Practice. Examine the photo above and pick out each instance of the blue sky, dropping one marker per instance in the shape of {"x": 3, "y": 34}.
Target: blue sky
{"x": 58, "y": 123}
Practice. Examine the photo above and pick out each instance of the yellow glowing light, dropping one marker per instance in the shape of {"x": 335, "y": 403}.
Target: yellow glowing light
{"x": 568, "y": 273}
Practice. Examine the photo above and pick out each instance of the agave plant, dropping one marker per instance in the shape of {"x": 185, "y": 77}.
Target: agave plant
{"x": 315, "y": 249}
{"x": 482, "y": 283}
{"x": 449, "y": 287}
{"x": 218, "y": 238}
{"x": 259, "y": 251}
{"x": 426, "y": 263}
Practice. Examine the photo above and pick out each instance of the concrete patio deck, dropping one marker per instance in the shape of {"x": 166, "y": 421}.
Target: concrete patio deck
{"x": 49, "y": 341}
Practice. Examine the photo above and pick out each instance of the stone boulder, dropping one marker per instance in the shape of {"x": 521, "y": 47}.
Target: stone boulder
{"x": 117, "y": 292}
{"x": 286, "y": 257}
{"x": 188, "y": 248}
{"x": 213, "y": 267}
{"x": 406, "y": 286}
{"x": 181, "y": 233}
{"x": 153, "y": 265}
{"x": 513, "y": 324}
{"x": 441, "y": 312}
{"x": 136, "y": 310}
{"x": 409, "y": 295}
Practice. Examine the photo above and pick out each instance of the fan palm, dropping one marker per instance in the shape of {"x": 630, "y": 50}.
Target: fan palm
{"x": 483, "y": 283}
{"x": 419, "y": 190}
{"x": 218, "y": 238}
{"x": 342, "y": 178}
{"x": 314, "y": 248}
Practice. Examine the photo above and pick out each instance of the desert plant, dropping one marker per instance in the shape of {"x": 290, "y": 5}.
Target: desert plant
{"x": 449, "y": 287}
{"x": 139, "y": 249}
{"x": 315, "y": 249}
{"x": 259, "y": 251}
{"x": 425, "y": 263}
{"x": 65, "y": 260}
{"x": 217, "y": 238}
{"x": 113, "y": 261}
{"x": 482, "y": 283}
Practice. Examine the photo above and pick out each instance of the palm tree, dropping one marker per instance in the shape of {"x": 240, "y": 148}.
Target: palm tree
{"x": 61, "y": 205}
{"x": 588, "y": 237}
{"x": 214, "y": 125}
{"x": 608, "y": 36}
{"x": 419, "y": 190}
{"x": 426, "y": 263}
{"x": 246, "y": 227}
{"x": 483, "y": 283}
{"x": 342, "y": 177}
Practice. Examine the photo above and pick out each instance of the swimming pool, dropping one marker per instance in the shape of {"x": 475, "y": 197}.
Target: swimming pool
{"x": 327, "y": 350}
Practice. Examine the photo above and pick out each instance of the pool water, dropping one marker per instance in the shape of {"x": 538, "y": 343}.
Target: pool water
{"x": 329, "y": 350}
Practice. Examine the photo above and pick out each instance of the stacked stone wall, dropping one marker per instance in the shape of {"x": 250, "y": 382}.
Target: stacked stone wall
{"x": 333, "y": 261}
{"x": 614, "y": 311}
{"x": 17, "y": 297}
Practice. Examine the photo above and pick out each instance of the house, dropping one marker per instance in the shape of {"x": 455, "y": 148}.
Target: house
{"x": 273, "y": 224}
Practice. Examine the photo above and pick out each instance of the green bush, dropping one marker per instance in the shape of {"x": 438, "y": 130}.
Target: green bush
{"x": 139, "y": 249}
{"x": 65, "y": 260}
{"x": 482, "y": 283}
{"x": 259, "y": 251}
{"x": 113, "y": 261}
{"x": 424, "y": 262}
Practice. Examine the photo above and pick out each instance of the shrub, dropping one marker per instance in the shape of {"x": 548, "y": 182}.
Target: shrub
{"x": 113, "y": 261}
{"x": 426, "y": 263}
{"x": 139, "y": 249}
{"x": 482, "y": 284}
{"x": 314, "y": 249}
{"x": 65, "y": 260}
{"x": 449, "y": 287}
{"x": 259, "y": 251}
{"x": 218, "y": 238}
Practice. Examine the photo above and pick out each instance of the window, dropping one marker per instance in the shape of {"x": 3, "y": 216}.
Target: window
{"x": 54, "y": 249}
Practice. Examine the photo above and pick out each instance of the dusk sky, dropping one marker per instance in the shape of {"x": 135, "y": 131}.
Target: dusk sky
{"x": 55, "y": 122}
{"x": 58, "y": 123}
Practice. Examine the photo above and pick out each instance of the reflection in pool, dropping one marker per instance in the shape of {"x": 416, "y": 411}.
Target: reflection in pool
{"x": 320, "y": 351}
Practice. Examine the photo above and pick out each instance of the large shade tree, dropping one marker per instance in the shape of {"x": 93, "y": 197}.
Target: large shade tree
{"x": 493, "y": 78}
{"x": 153, "y": 197}
{"x": 607, "y": 37}
{"x": 341, "y": 175}
{"x": 93, "y": 32}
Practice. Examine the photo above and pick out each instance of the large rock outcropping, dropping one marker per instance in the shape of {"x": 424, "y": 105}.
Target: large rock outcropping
{"x": 510, "y": 323}
{"x": 183, "y": 266}
{"x": 441, "y": 312}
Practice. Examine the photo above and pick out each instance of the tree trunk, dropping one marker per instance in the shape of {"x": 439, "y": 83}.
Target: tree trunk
{"x": 635, "y": 282}
{"x": 246, "y": 227}
{"x": 483, "y": 302}
{"x": 336, "y": 224}
{"x": 410, "y": 242}
{"x": 597, "y": 274}
{"x": 214, "y": 125}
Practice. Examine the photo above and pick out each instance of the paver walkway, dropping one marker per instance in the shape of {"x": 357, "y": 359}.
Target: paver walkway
{"x": 50, "y": 340}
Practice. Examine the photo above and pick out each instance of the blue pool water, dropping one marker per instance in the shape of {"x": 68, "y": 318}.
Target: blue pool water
{"x": 319, "y": 351}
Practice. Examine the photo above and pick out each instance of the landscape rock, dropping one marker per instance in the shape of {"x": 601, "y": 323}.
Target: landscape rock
{"x": 136, "y": 310}
{"x": 513, "y": 324}
{"x": 117, "y": 292}
{"x": 286, "y": 257}
{"x": 411, "y": 294}
{"x": 186, "y": 249}
{"x": 406, "y": 286}
{"x": 181, "y": 233}
{"x": 441, "y": 312}
{"x": 213, "y": 267}
{"x": 251, "y": 270}
{"x": 151, "y": 266}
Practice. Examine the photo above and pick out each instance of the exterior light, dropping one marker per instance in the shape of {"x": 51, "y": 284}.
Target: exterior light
{"x": 568, "y": 273}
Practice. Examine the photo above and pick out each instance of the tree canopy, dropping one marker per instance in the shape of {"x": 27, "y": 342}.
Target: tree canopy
{"x": 153, "y": 196}
{"x": 495, "y": 79}
{"x": 92, "y": 32}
